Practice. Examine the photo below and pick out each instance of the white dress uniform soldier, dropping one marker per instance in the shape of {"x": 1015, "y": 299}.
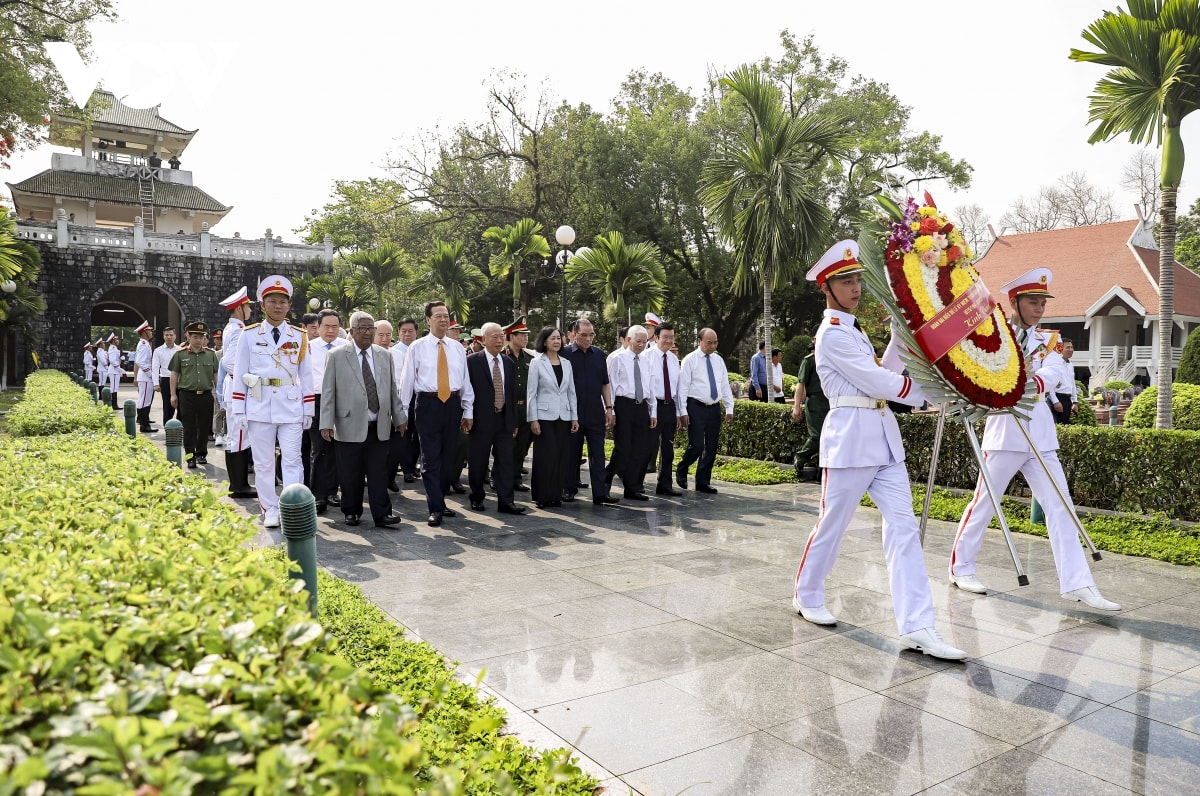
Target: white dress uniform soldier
{"x": 143, "y": 376}
{"x": 1005, "y": 451}
{"x": 861, "y": 451}
{"x": 89, "y": 361}
{"x": 115, "y": 369}
{"x": 101, "y": 365}
{"x": 237, "y": 441}
{"x": 273, "y": 392}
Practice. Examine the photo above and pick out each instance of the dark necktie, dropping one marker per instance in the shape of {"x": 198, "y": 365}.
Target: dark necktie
{"x": 275, "y": 334}
{"x": 497, "y": 384}
{"x": 369, "y": 383}
{"x": 638, "y": 395}
{"x": 712, "y": 378}
{"x": 666, "y": 382}
{"x": 857, "y": 325}
{"x": 328, "y": 346}
{"x": 1023, "y": 338}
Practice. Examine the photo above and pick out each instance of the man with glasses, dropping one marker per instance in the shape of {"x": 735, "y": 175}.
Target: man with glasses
{"x": 436, "y": 396}
{"x": 589, "y": 367}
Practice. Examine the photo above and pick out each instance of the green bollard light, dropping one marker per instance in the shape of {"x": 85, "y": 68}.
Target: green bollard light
{"x": 298, "y": 519}
{"x": 1112, "y": 415}
{"x": 90, "y": 386}
{"x": 1036, "y": 515}
{"x": 174, "y": 434}
{"x": 106, "y": 397}
{"x": 130, "y": 418}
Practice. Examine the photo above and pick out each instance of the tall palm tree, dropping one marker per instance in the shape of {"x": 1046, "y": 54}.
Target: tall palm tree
{"x": 20, "y": 262}
{"x": 13, "y": 253}
{"x": 761, "y": 188}
{"x": 342, "y": 289}
{"x": 1154, "y": 51}
{"x": 620, "y": 273}
{"x": 377, "y": 268}
{"x": 511, "y": 247}
{"x": 456, "y": 282}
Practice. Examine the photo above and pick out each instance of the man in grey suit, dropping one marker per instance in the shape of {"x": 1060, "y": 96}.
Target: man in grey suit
{"x": 360, "y": 407}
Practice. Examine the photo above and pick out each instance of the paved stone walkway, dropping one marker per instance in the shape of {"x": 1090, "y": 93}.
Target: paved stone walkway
{"x": 659, "y": 642}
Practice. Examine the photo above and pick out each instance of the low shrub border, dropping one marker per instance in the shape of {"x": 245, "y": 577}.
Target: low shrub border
{"x": 144, "y": 647}
{"x": 53, "y": 404}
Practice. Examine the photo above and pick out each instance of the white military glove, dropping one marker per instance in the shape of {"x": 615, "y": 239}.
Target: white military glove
{"x": 307, "y": 422}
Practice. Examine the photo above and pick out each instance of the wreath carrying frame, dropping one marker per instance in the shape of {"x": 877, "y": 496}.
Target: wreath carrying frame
{"x": 952, "y": 403}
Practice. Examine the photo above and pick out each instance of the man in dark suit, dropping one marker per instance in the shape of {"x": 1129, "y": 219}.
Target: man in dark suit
{"x": 590, "y": 370}
{"x": 360, "y": 409}
{"x": 493, "y": 380}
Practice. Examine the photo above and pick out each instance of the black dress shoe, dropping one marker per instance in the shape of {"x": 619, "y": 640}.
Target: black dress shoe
{"x": 243, "y": 493}
{"x": 333, "y": 500}
{"x": 457, "y": 489}
{"x": 706, "y": 489}
{"x": 555, "y": 503}
{"x": 508, "y": 508}
{"x": 520, "y": 487}
{"x": 636, "y": 496}
{"x": 477, "y": 505}
{"x": 449, "y": 513}
{"x": 540, "y": 504}
{"x": 201, "y": 460}
{"x": 605, "y": 500}
{"x": 192, "y": 465}
{"x": 387, "y": 522}
{"x": 322, "y": 506}
{"x": 435, "y": 519}
{"x": 393, "y": 486}
{"x": 352, "y": 519}
{"x": 569, "y": 497}
{"x": 681, "y": 479}
{"x": 580, "y": 485}
{"x": 409, "y": 478}
{"x": 666, "y": 490}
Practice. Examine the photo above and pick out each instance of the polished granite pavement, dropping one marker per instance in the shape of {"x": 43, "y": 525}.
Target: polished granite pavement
{"x": 658, "y": 640}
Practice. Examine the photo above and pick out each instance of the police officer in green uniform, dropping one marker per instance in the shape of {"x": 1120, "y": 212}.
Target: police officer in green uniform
{"x": 517, "y": 334}
{"x": 193, "y": 378}
{"x": 811, "y": 399}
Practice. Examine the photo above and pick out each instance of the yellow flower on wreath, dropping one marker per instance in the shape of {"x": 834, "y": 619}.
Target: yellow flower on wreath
{"x": 927, "y": 212}
{"x": 923, "y": 244}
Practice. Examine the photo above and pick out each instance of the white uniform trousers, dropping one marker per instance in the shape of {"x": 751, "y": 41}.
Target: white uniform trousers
{"x": 87, "y": 372}
{"x": 263, "y": 437}
{"x": 841, "y": 490}
{"x": 145, "y": 394}
{"x": 114, "y": 381}
{"x": 236, "y": 439}
{"x": 1069, "y": 560}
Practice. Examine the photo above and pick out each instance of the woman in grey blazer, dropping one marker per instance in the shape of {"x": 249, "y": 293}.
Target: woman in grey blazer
{"x": 553, "y": 414}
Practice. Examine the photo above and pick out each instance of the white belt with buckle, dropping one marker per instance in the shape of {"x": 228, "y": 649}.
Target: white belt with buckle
{"x": 857, "y": 402}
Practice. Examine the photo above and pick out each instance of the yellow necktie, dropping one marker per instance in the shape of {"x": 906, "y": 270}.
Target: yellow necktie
{"x": 443, "y": 374}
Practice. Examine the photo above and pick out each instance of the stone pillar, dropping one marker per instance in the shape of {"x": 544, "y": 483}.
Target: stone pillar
{"x": 205, "y": 240}
{"x": 328, "y": 249}
{"x": 139, "y": 235}
{"x": 268, "y": 247}
{"x": 63, "y": 239}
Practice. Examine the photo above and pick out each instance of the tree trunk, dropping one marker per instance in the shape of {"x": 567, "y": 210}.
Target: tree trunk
{"x": 767, "y": 276}
{"x": 518, "y": 294}
{"x": 1166, "y": 304}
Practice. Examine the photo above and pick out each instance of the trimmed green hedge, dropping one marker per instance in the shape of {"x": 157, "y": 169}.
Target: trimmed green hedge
{"x": 54, "y": 404}
{"x": 1185, "y": 408}
{"x": 145, "y": 647}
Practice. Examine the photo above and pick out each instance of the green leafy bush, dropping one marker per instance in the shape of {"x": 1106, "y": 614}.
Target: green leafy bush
{"x": 1117, "y": 384}
{"x": 1185, "y": 408}
{"x": 54, "y": 404}
{"x": 146, "y": 648}
{"x": 1085, "y": 415}
{"x": 762, "y": 431}
{"x": 1189, "y": 361}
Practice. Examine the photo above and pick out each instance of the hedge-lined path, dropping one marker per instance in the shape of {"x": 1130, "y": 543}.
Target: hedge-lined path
{"x": 659, "y": 641}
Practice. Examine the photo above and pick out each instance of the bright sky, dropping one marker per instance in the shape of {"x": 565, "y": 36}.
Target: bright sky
{"x": 288, "y": 100}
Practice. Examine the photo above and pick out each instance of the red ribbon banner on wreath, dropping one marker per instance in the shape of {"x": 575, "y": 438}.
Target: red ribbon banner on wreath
{"x": 958, "y": 319}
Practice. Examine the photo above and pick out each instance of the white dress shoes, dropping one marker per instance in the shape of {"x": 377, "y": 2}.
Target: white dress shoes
{"x": 271, "y": 520}
{"x": 929, "y": 642}
{"x": 816, "y": 614}
{"x": 1090, "y": 595}
{"x": 968, "y": 583}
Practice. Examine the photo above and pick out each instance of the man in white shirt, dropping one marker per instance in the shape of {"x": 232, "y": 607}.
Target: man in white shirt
{"x": 406, "y": 448}
{"x": 161, "y": 371}
{"x": 323, "y": 469}
{"x": 1065, "y": 391}
{"x": 436, "y": 396}
{"x": 703, "y": 388}
{"x": 89, "y": 361}
{"x": 665, "y": 366}
{"x": 632, "y": 382}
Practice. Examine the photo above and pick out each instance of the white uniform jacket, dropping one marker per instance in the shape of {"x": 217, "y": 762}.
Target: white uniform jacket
{"x": 283, "y": 392}
{"x": 115, "y": 368}
{"x": 859, "y": 435}
{"x": 143, "y": 358}
{"x": 1047, "y": 368}
{"x": 102, "y": 364}
{"x": 89, "y": 363}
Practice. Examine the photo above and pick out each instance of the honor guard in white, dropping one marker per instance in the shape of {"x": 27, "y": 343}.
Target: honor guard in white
{"x": 1005, "y": 451}
{"x": 101, "y": 365}
{"x": 143, "y": 376}
{"x": 89, "y": 361}
{"x": 861, "y": 451}
{"x": 115, "y": 369}
{"x": 273, "y": 392}
{"x": 237, "y": 441}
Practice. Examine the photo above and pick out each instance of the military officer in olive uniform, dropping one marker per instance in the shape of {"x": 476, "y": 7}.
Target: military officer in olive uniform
{"x": 517, "y": 334}
{"x": 273, "y": 392}
{"x": 811, "y": 401}
{"x": 193, "y": 379}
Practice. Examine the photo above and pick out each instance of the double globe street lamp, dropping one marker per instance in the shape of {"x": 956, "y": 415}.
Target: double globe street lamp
{"x": 565, "y": 236}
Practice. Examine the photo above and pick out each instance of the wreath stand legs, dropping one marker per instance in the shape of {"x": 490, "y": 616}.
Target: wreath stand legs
{"x": 937, "y": 449}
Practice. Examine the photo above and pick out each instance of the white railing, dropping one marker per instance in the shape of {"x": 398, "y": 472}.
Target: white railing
{"x": 64, "y": 234}
{"x": 1126, "y": 373}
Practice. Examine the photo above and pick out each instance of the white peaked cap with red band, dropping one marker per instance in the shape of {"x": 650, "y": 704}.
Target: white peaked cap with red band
{"x": 840, "y": 260}
{"x": 1031, "y": 283}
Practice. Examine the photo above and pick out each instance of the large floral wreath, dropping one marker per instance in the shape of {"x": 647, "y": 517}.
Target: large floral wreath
{"x": 942, "y": 299}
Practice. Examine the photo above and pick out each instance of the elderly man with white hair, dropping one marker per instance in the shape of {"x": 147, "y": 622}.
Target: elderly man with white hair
{"x": 632, "y": 380}
{"x": 490, "y": 441}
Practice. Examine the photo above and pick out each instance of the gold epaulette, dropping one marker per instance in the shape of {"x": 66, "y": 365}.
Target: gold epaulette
{"x": 303, "y": 344}
{"x": 251, "y": 326}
